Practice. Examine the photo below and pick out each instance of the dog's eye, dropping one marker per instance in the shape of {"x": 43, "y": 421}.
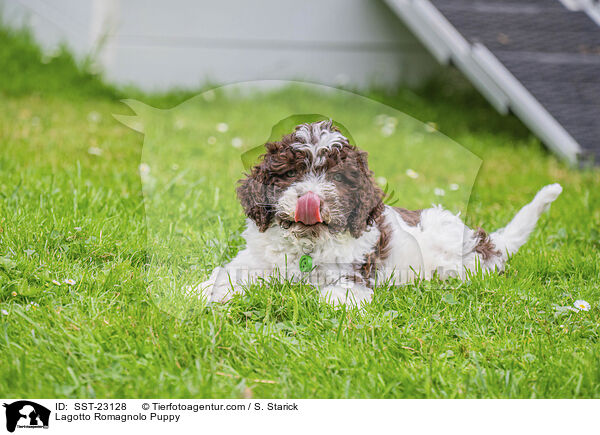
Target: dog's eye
{"x": 338, "y": 177}
{"x": 290, "y": 174}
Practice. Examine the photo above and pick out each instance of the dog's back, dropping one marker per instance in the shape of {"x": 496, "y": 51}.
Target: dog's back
{"x": 437, "y": 242}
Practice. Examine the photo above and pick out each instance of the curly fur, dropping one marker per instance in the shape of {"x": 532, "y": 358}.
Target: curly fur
{"x": 360, "y": 240}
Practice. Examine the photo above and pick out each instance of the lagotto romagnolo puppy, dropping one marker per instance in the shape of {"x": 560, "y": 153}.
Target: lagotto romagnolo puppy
{"x": 315, "y": 213}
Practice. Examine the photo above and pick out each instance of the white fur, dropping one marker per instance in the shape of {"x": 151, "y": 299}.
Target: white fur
{"x": 327, "y": 139}
{"x": 440, "y": 244}
{"x": 510, "y": 238}
{"x": 312, "y": 182}
{"x": 278, "y": 251}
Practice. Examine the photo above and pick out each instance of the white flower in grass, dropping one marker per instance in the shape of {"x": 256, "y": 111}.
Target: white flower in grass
{"x": 179, "y": 124}
{"x": 4, "y": 312}
{"x": 212, "y": 140}
{"x": 237, "y": 142}
{"x": 95, "y": 151}
{"x": 144, "y": 169}
{"x": 454, "y": 187}
{"x": 222, "y": 127}
{"x": 382, "y": 181}
{"x": 388, "y": 129}
{"x": 582, "y": 305}
{"x": 69, "y": 281}
{"x": 410, "y": 173}
{"x": 439, "y": 192}
{"x": 94, "y": 117}
{"x": 55, "y": 282}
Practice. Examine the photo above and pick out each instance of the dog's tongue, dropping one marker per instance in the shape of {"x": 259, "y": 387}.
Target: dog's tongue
{"x": 307, "y": 209}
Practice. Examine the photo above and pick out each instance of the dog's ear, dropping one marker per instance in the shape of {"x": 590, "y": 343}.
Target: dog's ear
{"x": 252, "y": 192}
{"x": 368, "y": 201}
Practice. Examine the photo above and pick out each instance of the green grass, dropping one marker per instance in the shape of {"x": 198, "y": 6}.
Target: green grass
{"x": 119, "y": 332}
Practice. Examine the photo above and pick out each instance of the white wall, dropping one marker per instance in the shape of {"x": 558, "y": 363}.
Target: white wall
{"x": 158, "y": 44}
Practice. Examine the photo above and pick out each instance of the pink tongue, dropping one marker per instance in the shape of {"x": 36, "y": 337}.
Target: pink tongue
{"x": 307, "y": 209}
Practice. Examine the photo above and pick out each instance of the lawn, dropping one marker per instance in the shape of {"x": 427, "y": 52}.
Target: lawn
{"x": 102, "y": 226}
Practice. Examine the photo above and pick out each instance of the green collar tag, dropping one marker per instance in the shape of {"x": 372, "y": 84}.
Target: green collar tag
{"x": 305, "y": 263}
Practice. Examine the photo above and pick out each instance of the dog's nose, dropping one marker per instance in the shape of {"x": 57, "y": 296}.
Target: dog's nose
{"x": 308, "y": 209}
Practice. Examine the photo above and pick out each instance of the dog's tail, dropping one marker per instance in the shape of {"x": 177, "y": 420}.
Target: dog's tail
{"x": 510, "y": 238}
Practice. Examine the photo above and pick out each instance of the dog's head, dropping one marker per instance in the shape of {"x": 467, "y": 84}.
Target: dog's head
{"x": 310, "y": 182}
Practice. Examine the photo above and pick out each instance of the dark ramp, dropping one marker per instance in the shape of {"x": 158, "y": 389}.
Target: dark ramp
{"x": 537, "y": 57}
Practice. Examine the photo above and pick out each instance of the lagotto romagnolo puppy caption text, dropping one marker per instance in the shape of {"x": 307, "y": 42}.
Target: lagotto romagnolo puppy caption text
{"x": 315, "y": 214}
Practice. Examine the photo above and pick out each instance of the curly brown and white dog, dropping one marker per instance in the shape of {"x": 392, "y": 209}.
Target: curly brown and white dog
{"x": 315, "y": 213}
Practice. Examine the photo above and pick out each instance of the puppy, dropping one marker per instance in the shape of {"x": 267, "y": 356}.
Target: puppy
{"x": 315, "y": 213}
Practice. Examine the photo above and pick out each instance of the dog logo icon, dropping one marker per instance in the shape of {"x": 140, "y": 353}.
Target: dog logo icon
{"x": 26, "y": 414}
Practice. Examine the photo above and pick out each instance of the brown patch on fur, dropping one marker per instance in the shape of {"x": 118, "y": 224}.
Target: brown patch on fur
{"x": 259, "y": 191}
{"x": 411, "y": 217}
{"x": 381, "y": 252}
{"x": 359, "y": 191}
{"x": 485, "y": 247}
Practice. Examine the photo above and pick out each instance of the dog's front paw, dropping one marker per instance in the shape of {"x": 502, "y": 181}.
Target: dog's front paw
{"x": 218, "y": 287}
{"x": 347, "y": 294}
